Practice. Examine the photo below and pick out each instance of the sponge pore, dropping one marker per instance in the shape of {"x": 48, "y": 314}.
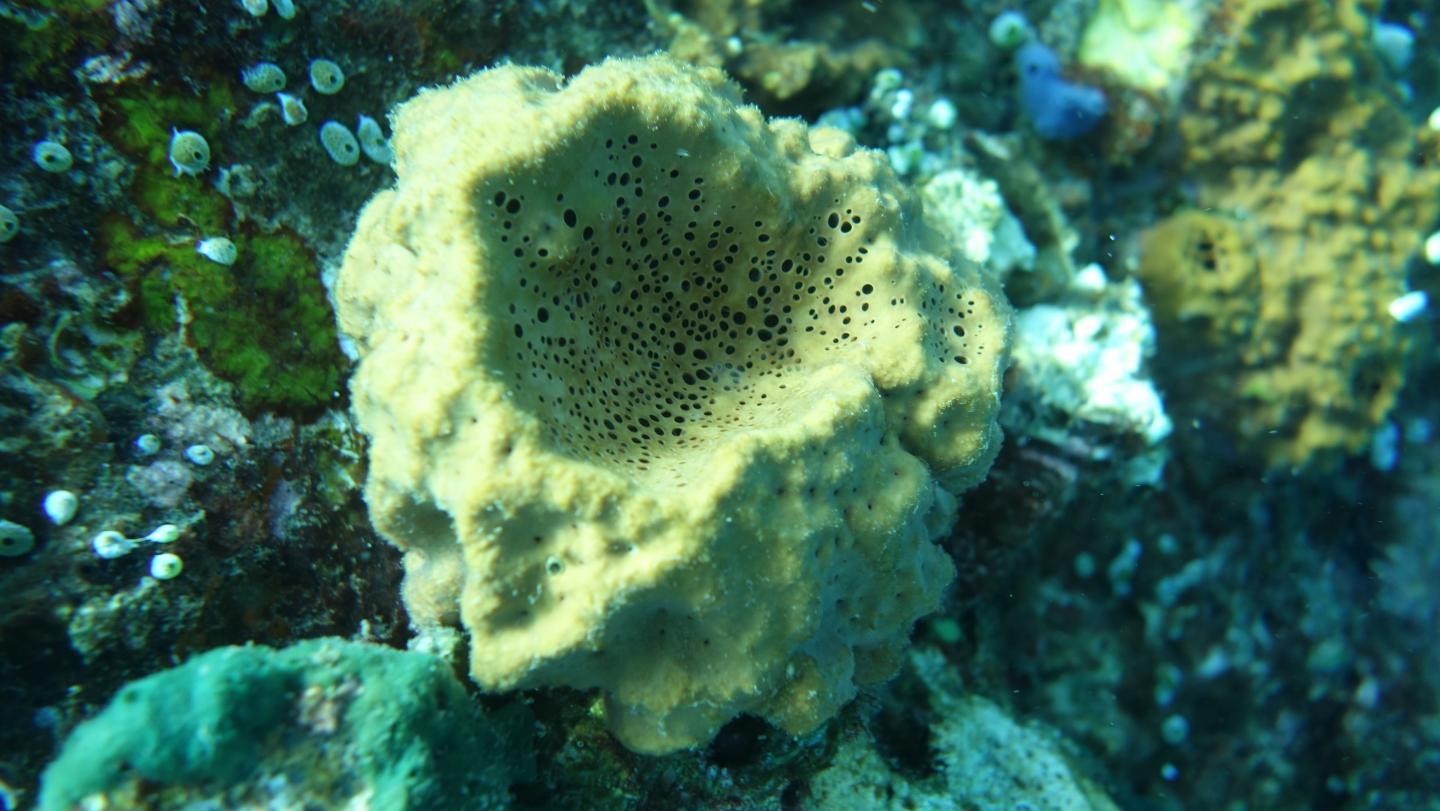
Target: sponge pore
{"x": 664, "y": 399}
{"x": 682, "y": 324}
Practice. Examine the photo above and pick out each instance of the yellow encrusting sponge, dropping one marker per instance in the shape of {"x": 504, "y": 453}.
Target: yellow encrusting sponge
{"x": 665, "y": 399}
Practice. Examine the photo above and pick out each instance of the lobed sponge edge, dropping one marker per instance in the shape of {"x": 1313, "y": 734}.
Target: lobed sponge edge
{"x": 679, "y": 436}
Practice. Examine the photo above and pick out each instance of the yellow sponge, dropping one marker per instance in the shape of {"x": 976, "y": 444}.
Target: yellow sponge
{"x": 664, "y": 399}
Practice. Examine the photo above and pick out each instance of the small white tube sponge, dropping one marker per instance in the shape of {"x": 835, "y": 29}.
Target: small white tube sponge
{"x": 664, "y": 399}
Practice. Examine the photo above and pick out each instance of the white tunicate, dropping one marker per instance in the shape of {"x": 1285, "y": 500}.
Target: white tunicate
{"x": 264, "y": 77}
{"x": 326, "y": 77}
{"x": 1175, "y": 729}
{"x": 373, "y": 141}
{"x": 285, "y": 8}
{"x": 1089, "y": 279}
{"x": 52, "y": 156}
{"x": 255, "y": 8}
{"x": 189, "y": 152}
{"x": 1009, "y": 30}
{"x": 165, "y": 533}
{"x": 111, "y": 544}
{"x": 1409, "y": 307}
{"x": 15, "y": 540}
{"x": 292, "y": 109}
{"x": 339, "y": 143}
{"x": 218, "y": 250}
{"x": 166, "y": 566}
{"x": 942, "y": 114}
{"x": 9, "y": 224}
{"x": 1432, "y": 248}
{"x": 1433, "y": 120}
{"x": 903, "y": 104}
{"x": 1367, "y": 692}
{"x": 201, "y": 455}
{"x": 147, "y": 444}
{"x": 60, "y": 506}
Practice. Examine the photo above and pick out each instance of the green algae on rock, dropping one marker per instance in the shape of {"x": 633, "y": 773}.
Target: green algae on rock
{"x": 264, "y": 323}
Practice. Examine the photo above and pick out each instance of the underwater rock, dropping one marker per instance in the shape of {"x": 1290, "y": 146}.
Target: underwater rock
{"x": 324, "y": 723}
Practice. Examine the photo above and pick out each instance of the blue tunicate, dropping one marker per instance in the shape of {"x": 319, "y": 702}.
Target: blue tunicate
{"x": 1394, "y": 43}
{"x": 1059, "y": 109}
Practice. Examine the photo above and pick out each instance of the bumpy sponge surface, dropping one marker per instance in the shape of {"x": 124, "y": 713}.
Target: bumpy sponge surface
{"x": 664, "y": 399}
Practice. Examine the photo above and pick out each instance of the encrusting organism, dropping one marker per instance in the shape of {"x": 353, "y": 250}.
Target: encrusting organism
{"x": 705, "y": 391}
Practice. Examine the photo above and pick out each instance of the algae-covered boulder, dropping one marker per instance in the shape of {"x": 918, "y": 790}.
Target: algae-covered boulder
{"x": 664, "y": 399}
{"x": 983, "y": 758}
{"x": 321, "y": 724}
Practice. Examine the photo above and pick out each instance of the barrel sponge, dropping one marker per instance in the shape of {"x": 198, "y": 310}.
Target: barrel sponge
{"x": 664, "y": 399}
